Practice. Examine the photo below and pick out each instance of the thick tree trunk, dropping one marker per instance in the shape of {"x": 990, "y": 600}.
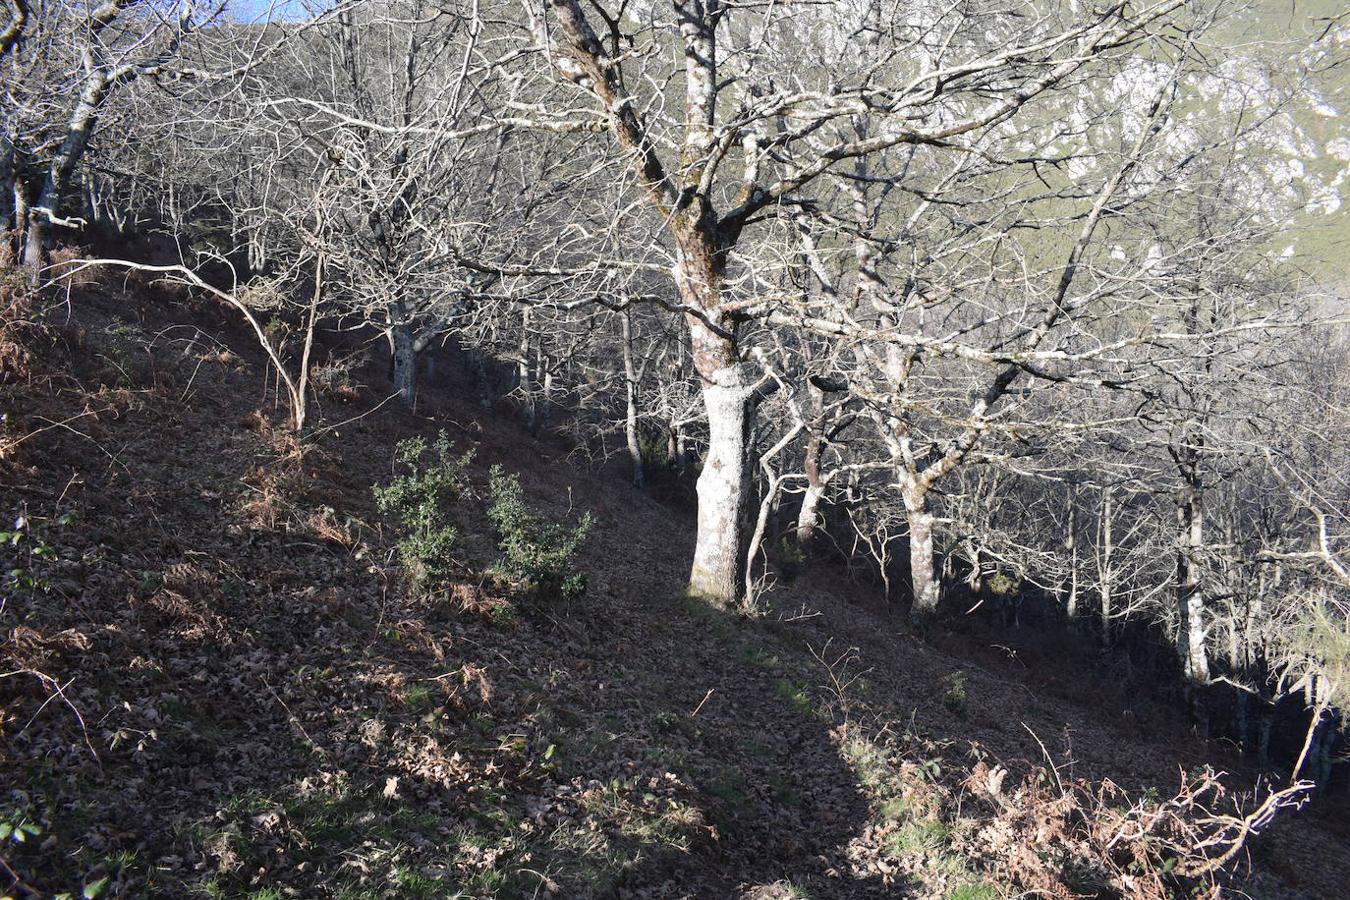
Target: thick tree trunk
{"x": 78, "y": 131}
{"x": 405, "y": 363}
{"x": 730, "y": 392}
{"x": 681, "y": 451}
{"x": 34, "y": 246}
{"x": 809, "y": 514}
{"x": 474, "y": 364}
{"x": 634, "y": 444}
{"x": 724, "y": 485}
{"x": 923, "y": 577}
{"x": 808, "y": 517}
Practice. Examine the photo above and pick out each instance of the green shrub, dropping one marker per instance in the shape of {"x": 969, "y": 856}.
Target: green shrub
{"x": 654, "y": 448}
{"x": 536, "y": 552}
{"x": 420, "y": 501}
{"x": 957, "y": 697}
{"x": 30, "y": 556}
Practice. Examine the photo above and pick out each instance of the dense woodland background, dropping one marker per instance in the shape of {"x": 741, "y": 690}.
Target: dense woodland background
{"x": 716, "y": 448}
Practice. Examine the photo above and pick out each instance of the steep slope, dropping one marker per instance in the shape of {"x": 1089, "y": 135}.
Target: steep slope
{"x": 216, "y": 682}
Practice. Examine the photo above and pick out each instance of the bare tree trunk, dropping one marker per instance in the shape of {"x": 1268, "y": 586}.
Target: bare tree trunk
{"x": 809, "y": 516}
{"x": 544, "y": 376}
{"x": 1071, "y": 544}
{"x": 482, "y": 381}
{"x": 724, "y": 485}
{"x": 34, "y": 246}
{"x": 256, "y": 251}
{"x": 1105, "y": 564}
{"x": 631, "y": 409}
{"x": 923, "y": 577}
{"x": 405, "y": 362}
{"x": 730, "y": 392}
{"x": 8, "y": 182}
{"x": 1190, "y": 597}
{"x": 301, "y": 399}
{"x": 774, "y": 483}
{"x": 78, "y": 131}
{"x": 524, "y": 372}
{"x": 681, "y": 450}
{"x": 21, "y": 216}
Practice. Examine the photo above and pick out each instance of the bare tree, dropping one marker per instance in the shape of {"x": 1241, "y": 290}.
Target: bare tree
{"x": 936, "y": 77}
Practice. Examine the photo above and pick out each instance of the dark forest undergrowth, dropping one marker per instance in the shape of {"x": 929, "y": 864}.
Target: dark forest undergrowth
{"x": 217, "y": 682}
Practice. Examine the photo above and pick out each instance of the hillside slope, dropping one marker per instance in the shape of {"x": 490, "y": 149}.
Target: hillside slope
{"x": 217, "y": 683}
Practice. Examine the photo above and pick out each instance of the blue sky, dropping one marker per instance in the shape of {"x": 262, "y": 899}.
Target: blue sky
{"x": 253, "y": 9}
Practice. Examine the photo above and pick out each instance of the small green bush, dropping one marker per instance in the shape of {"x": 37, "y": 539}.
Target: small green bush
{"x": 654, "y": 448}
{"x": 420, "y": 500}
{"x": 536, "y": 552}
{"x": 30, "y": 557}
{"x": 957, "y": 697}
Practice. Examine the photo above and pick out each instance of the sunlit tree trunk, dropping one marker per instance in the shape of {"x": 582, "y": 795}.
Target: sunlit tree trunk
{"x": 1071, "y": 544}
{"x": 630, "y": 421}
{"x": 1106, "y": 565}
{"x": 724, "y": 484}
{"x": 808, "y": 516}
{"x": 923, "y": 574}
{"x": 1189, "y": 591}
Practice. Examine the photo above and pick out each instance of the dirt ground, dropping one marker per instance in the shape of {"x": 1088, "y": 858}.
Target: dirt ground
{"x": 218, "y": 684}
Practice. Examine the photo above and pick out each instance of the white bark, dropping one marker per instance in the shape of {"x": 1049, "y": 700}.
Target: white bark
{"x": 1190, "y": 592}
{"x": 724, "y": 485}
{"x": 923, "y": 577}
{"x": 808, "y": 517}
{"x": 630, "y": 420}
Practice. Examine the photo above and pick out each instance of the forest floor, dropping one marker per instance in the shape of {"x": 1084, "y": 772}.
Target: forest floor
{"x": 216, "y": 683}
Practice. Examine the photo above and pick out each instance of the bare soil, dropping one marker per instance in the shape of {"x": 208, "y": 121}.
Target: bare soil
{"x": 218, "y": 683}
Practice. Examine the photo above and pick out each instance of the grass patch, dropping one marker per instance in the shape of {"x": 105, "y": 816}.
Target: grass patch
{"x": 759, "y": 658}
{"x": 916, "y": 838}
{"x": 972, "y": 891}
{"x": 795, "y": 695}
